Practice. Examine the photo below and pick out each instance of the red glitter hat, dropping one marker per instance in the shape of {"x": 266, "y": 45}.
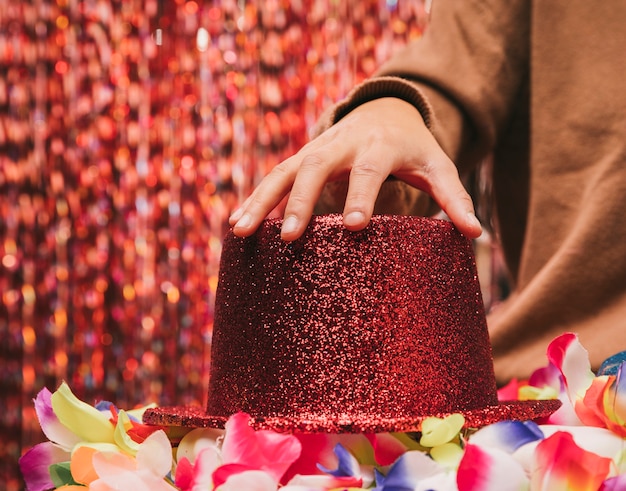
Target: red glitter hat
{"x": 356, "y": 332}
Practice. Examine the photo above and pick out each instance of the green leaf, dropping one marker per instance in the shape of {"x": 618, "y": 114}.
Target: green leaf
{"x": 61, "y": 474}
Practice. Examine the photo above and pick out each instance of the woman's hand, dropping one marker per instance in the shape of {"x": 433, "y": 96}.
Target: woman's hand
{"x": 379, "y": 138}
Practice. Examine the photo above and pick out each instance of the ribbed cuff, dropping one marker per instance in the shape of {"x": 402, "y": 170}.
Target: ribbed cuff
{"x": 388, "y": 86}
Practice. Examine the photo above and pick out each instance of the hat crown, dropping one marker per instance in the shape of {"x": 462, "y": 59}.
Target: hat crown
{"x": 350, "y": 331}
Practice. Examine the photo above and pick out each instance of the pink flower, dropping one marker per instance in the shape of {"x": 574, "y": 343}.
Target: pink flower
{"x": 507, "y": 436}
{"x": 264, "y": 450}
{"x": 388, "y": 447}
{"x": 322, "y": 483}
{"x": 616, "y": 483}
{"x": 603, "y": 405}
{"x": 587, "y": 399}
{"x": 348, "y": 472}
{"x": 244, "y": 453}
{"x": 567, "y": 374}
{"x": 198, "y": 456}
{"x": 572, "y": 360}
{"x": 615, "y": 402}
{"x": 510, "y": 392}
{"x": 54, "y": 430}
{"x": 317, "y": 448}
{"x": 561, "y": 465}
{"x": 489, "y": 469}
{"x": 145, "y": 472}
{"x": 35, "y": 465}
{"x": 250, "y": 480}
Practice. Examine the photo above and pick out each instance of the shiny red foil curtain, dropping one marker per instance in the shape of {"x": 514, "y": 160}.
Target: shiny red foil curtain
{"x": 129, "y": 131}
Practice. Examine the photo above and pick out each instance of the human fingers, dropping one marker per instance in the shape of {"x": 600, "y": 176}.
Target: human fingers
{"x": 367, "y": 175}
{"x": 267, "y": 195}
{"x": 315, "y": 170}
{"x": 444, "y": 185}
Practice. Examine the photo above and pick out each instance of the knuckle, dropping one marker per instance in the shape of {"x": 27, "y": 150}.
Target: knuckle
{"x": 429, "y": 168}
{"x": 298, "y": 201}
{"x": 299, "y": 195}
{"x": 312, "y": 161}
{"x": 462, "y": 195}
{"x": 365, "y": 168}
{"x": 281, "y": 170}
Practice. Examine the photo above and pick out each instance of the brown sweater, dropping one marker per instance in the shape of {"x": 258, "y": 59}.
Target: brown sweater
{"x": 541, "y": 88}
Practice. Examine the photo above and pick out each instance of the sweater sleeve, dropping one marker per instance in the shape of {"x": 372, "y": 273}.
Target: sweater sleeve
{"x": 471, "y": 65}
{"x": 463, "y": 75}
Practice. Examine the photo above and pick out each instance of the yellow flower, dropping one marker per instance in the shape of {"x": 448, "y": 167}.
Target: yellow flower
{"x": 437, "y": 431}
{"x": 85, "y": 421}
{"x": 122, "y": 439}
{"x": 449, "y": 455}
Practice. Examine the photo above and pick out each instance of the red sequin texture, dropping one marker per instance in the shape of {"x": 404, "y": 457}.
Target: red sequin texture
{"x": 347, "y": 328}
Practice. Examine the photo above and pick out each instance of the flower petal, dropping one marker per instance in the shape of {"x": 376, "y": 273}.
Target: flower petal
{"x": 408, "y": 471}
{"x": 120, "y": 435}
{"x": 564, "y": 415}
{"x": 252, "y": 480}
{"x": 347, "y": 465}
{"x": 83, "y": 420}
{"x": 437, "y": 431}
{"x": 116, "y": 470}
{"x": 448, "y": 455}
{"x": 590, "y": 407}
{"x": 34, "y": 465}
{"x": 224, "y": 472}
{"x": 317, "y": 448}
{"x": 82, "y": 465}
{"x": 600, "y": 441}
{"x": 549, "y": 376}
{"x": 120, "y": 471}
{"x": 137, "y": 413}
{"x": 569, "y": 356}
{"x": 184, "y": 475}
{"x": 615, "y": 403}
{"x": 616, "y": 483}
{"x": 439, "y": 482}
{"x": 596, "y": 440}
{"x": 196, "y": 440}
{"x": 54, "y": 430}
{"x": 510, "y": 392}
{"x": 388, "y": 447}
{"x": 200, "y": 475}
{"x": 155, "y": 454}
{"x": 489, "y": 468}
{"x": 264, "y": 450}
{"x": 561, "y": 465}
{"x": 566, "y": 354}
{"x": 546, "y": 383}
{"x": 507, "y": 436}
{"x": 597, "y": 407}
{"x": 323, "y": 482}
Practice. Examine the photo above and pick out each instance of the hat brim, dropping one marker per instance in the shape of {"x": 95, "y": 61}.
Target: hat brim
{"x": 196, "y": 417}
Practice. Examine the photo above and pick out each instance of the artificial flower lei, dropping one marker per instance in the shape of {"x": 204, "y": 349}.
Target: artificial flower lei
{"x": 580, "y": 447}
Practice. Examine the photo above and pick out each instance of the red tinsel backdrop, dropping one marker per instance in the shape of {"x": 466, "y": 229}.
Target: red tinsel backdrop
{"x": 129, "y": 130}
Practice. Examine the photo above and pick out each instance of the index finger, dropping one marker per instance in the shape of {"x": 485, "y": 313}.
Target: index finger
{"x": 314, "y": 171}
{"x": 267, "y": 195}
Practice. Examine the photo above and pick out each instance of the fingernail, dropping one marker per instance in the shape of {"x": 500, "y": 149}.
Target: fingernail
{"x": 290, "y": 225}
{"x": 472, "y": 220}
{"x": 236, "y": 215}
{"x": 244, "y": 221}
{"x": 354, "y": 218}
